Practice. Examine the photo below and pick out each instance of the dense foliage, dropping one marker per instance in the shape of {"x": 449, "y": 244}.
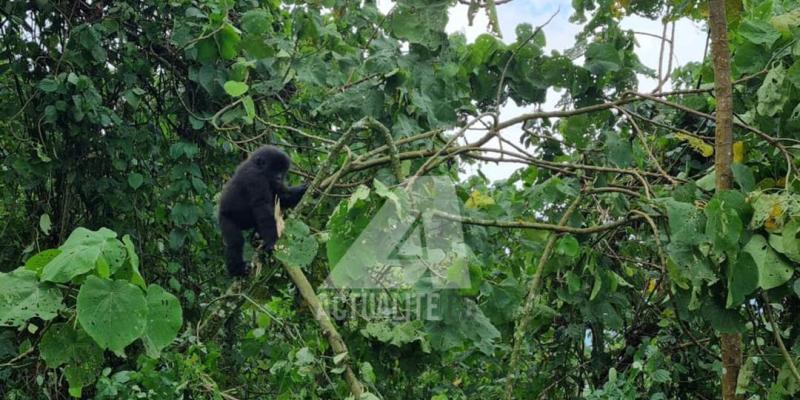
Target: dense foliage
{"x": 605, "y": 267}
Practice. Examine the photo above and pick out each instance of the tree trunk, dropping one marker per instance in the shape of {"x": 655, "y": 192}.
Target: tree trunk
{"x": 730, "y": 343}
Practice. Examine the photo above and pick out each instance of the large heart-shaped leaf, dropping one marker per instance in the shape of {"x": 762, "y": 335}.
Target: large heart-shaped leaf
{"x": 113, "y": 313}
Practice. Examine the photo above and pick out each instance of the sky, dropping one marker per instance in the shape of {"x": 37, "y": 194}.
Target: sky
{"x": 560, "y": 34}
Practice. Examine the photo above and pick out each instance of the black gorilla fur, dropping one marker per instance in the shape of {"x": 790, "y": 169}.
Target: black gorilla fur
{"x": 248, "y": 201}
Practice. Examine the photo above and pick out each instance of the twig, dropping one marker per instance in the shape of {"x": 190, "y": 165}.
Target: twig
{"x": 776, "y": 334}
{"x": 533, "y": 225}
{"x": 531, "y": 299}
{"x": 514, "y": 53}
{"x": 387, "y": 136}
{"x": 640, "y": 134}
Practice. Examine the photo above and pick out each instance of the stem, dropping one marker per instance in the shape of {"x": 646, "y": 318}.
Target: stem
{"x": 777, "y": 334}
{"x": 530, "y": 301}
{"x": 730, "y": 343}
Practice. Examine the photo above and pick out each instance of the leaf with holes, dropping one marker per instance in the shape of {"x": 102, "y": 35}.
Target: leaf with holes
{"x": 80, "y": 254}
{"x": 296, "y": 247}
{"x": 113, "y": 313}
{"x": 723, "y": 226}
{"x": 164, "y": 319}
{"x": 63, "y": 344}
{"x": 23, "y": 297}
{"x": 772, "y": 270}
{"x": 37, "y": 262}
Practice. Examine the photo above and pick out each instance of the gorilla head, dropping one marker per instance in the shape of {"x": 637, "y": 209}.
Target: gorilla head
{"x": 248, "y": 202}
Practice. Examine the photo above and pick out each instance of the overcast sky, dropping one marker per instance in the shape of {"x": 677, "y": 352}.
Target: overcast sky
{"x": 560, "y": 35}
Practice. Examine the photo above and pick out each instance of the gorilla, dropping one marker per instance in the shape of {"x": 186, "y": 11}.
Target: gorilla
{"x": 248, "y": 201}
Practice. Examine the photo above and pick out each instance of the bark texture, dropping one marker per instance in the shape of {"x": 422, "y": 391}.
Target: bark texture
{"x": 730, "y": 343}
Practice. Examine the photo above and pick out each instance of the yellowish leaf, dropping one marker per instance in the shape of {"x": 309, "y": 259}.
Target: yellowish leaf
{"x": 697, "y": 144}
{"x": 651, "y": 285}
{"x": 774, "y": 220}
{"x": 478, "y": 200}
{"x": 738, "y": 152}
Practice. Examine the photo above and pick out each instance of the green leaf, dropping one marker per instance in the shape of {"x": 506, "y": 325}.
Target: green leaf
{"x": 574, "y": 283}
{"x": 256, "y": 47}
{"x": 723, "y": 226}
{"x": 207, "y": 51}
{"x": 772, "y": 270}
{"x": 164, "y": 319}
{"x": 420, "y": 21}
{"x": 568, "y": 246}
{"x": 788, "y": 242}
{"x": 131, "y": 97}
{"x": 80, "y": 254}
{"x": 113, "y": 313}
{"x": 185, "y": 214}
{"x": 576, "y": 130}
{"x": 23, "y": 297}
{"x": 793, "y": 74}
{"x": 784, "y": 23}
{"x": 618, "y": 150}
{"x": 770, "y": 96}
{"x": 736, "y": 200}
{"x": 686, "y": 222}
{"x": 661, "y": 376}
{"x": 45, "y": 224}
{"x": 758, "y": 32}
{"x": 37, "y": 262}
{"x": 256, "y": 21}
{"x": 346, "y": 222}
{"x": 235, "y": 89}
{"x": 249, "y": 108}
{"x": 742, "y": 279}
{"x": 132, "y": 263}
{"x": 228, "y": 42}
{"x": 70, "y": 263}
{"x": 723, "y": 320}
{"x": 602, "y": 57}
{"x": 296, "y": 247}
{"x": 707, "y": 181}
{"x": 62, "y": 344}
{"x": 135, "y": 180}
{"x": 48, "y": 85}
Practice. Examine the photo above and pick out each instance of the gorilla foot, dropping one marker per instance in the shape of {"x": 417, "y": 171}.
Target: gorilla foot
{"x": 240, "y": 270}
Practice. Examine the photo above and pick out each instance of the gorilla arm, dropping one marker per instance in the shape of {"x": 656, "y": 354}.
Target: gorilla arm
{"x": 264, "y": 215}
{"x": 290, "y": 196}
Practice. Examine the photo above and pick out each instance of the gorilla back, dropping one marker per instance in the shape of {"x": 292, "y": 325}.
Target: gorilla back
{"x": 248, "y": 201}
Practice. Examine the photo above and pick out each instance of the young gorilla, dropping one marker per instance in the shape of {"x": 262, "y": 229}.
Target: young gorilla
{"x": 248, "y": 201}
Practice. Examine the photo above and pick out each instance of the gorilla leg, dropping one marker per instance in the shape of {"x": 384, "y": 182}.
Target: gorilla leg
{"x": 234, "y": 245}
